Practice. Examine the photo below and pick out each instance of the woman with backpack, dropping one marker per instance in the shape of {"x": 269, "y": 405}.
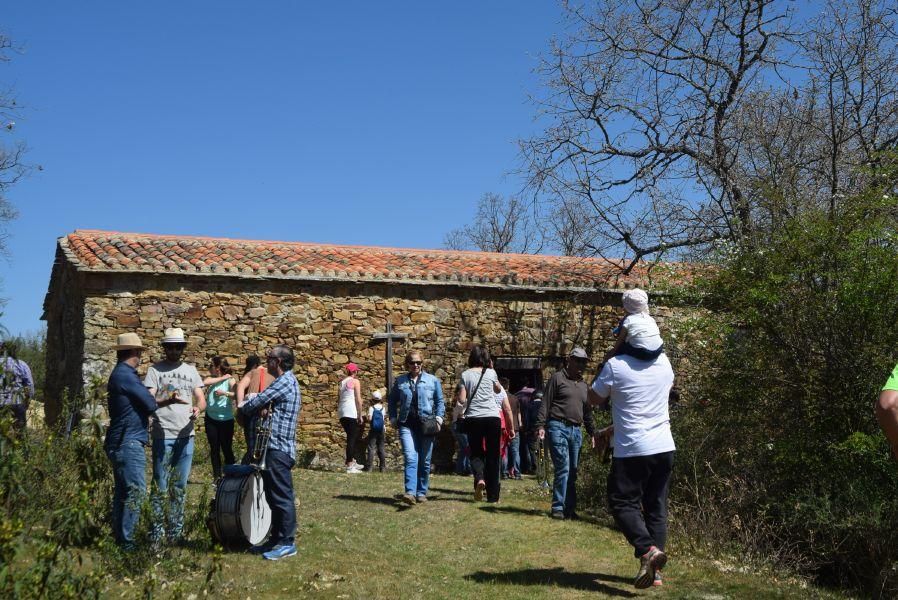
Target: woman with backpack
{"x": 377, "y": 425}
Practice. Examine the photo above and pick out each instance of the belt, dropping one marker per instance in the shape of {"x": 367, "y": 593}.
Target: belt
{"x": 566, "y": 422}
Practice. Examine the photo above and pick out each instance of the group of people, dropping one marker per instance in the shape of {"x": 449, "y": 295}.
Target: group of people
{"x": 635, "y": 378}
{"x": 173, "y": 394}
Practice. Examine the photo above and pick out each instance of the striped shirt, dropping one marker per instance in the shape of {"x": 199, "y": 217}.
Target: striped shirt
{"x": 285, "y": 399}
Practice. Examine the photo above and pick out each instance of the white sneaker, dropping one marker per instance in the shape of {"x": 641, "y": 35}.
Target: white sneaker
{"x": 354, "y": 468}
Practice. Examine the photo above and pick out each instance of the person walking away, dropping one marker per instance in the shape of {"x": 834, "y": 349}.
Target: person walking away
{"x": 514, "y": 443}
{"x": 377, "y": 421}
{"x": 130, "y": 405}
{"x": 481, "y": 422}
{"x": 349, "y": 410}
{"x": 417, "y": 409}
{"x": 173, "y": 433}
{"x": 16, "y": 384}
{"x": 282, "y": 402}
{"x": 219, "y": 419}
{"x": 463, "y": 457}
{"x": 564, "y": 409}
{"x": 643, "y": 457}
{"x": 524, "y": 398}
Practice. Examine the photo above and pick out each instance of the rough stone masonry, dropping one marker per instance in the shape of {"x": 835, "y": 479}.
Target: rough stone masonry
{"x": 235, "y": 298}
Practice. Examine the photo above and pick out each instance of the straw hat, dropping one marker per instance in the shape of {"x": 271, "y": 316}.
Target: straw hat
{"x": 174, "y": 335}
{"x": 129, "y": 341}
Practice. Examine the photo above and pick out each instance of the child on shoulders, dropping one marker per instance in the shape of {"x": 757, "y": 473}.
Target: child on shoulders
{"x": 638, "y": 334}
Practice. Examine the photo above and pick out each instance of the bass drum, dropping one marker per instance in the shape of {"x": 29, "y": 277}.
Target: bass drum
{"x": 240, "y": 513}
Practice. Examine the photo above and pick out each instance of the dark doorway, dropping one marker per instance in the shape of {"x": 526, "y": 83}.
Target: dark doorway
{"x": 522, "y": 371}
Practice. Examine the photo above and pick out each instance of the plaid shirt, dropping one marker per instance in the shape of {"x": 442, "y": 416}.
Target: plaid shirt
{"x": 285, "y": 399}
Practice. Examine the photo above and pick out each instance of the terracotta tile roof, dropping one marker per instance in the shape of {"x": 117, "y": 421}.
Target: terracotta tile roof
{"x": 108, "y": 251}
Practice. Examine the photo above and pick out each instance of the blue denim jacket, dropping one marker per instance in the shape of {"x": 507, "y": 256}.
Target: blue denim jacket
{"x": 430, "y": 397}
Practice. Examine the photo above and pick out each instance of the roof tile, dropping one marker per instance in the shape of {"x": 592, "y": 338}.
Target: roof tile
{"x": 92, "y": 250}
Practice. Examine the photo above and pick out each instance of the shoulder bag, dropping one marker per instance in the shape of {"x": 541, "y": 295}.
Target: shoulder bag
{"x": 460, "y": 424}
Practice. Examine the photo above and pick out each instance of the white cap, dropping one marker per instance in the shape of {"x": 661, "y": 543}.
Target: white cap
{"x": 377, "y": 395}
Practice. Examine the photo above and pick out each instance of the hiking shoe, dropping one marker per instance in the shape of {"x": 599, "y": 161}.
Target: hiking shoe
{"x": 409, "y": 499}
{"x": 658, "y": 582}
{"x": 280, "y": 551}
{"x": 479, "y": 489}
{"x": 557, "y": 514}
{"x": 421, "y": 499}
{"x": 649, "y": 564}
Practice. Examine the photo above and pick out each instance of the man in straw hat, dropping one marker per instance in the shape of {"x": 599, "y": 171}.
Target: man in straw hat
{"x": 130, "y": 405}
{"x": 173, "y": 432}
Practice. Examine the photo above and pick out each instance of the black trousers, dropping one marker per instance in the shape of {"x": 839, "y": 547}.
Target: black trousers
{"x": 279, "y": 493}
{"x": 351, "y": 427}
{"x": 485, "y": 463}
{"x": 376, "y": 438}
{"x": 221, "y": 441}
{"x": 637, "y": 497}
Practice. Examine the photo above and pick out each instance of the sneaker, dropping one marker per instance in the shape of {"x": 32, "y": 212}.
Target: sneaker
{"x": 409, "y": 499}
{"x": 649, "y": 564}
{"x": 658, "y": 582}
{"x": 557, "y": 514}
{"x": 422, "y": 499}
{"x": 261, "y": 548}
{"x": 280, "y": 551}
{"x": 479, "y": 489}
{"x": 354, "y": 468}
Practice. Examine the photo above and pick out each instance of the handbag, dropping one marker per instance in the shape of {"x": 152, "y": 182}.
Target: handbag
{"x": 429, "y": 425}
{"x": 460, "y": 424}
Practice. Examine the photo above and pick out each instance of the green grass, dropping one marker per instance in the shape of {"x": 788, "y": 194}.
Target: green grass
{"x": 356, "y": 540}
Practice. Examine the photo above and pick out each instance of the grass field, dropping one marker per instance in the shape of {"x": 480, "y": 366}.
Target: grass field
{"x": 356, "y": 540}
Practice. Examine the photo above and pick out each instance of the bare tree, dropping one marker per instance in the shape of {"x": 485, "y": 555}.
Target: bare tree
{"x": 12, "y": 167}
{"x": 502, "y": 224}
{"x": 673, "y": 120}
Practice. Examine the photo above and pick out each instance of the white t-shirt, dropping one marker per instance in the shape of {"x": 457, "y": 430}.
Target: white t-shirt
{"x": 346, "y": 406}
{"x": 642, "y": 331}
{"x": 639, "y": 392}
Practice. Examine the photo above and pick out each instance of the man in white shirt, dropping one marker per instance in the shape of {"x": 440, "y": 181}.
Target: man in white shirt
{"x": 643, "y": 454}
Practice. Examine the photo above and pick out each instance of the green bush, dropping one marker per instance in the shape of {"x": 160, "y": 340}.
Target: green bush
{"x": 779, "y": 451}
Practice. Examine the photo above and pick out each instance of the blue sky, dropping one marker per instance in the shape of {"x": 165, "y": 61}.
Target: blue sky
{"x": 375, "y": 123}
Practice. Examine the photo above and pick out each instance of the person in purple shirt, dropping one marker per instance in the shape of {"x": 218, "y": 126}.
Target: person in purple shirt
{"x": 130, "y": 405}
{"x": 16, "y": 384}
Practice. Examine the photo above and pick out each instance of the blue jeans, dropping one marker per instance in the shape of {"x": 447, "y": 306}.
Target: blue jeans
{"x": 279, "y": 493}
{"x": 463, "y": 460}
{"x": 564, "y": 444}
{"x": 128, "y": 470}
{"x": 171, "y": 457}
{"x": 416, "y": 450}
{"x": 514, "y": 457}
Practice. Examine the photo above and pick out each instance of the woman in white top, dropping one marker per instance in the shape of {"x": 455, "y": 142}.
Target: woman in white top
{"x": 481, "y": 421}
{"x": 349, "y": 409}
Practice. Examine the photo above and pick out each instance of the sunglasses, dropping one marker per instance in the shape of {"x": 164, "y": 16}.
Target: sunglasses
{"x": 415, "y": 362}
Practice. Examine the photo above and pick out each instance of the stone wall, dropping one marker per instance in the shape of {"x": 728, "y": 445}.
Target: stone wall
{"x": 328, "y": 324}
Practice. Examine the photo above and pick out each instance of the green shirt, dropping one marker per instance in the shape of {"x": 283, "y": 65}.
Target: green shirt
{"x": 219, "y": 406}
{"x": 892, "y": 383}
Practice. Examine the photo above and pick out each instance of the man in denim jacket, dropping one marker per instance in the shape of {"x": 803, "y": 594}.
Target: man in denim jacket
{"x": 415, "y": 397}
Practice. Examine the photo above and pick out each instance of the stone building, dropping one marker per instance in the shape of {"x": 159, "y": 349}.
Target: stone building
{"x": 239, "y": 297}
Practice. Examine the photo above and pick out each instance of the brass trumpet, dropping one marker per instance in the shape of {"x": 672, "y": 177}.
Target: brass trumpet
{"x": 263, "y": 435}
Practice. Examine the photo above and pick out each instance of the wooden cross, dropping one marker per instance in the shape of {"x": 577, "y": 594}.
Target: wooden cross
{"x": 389, "y": 335}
